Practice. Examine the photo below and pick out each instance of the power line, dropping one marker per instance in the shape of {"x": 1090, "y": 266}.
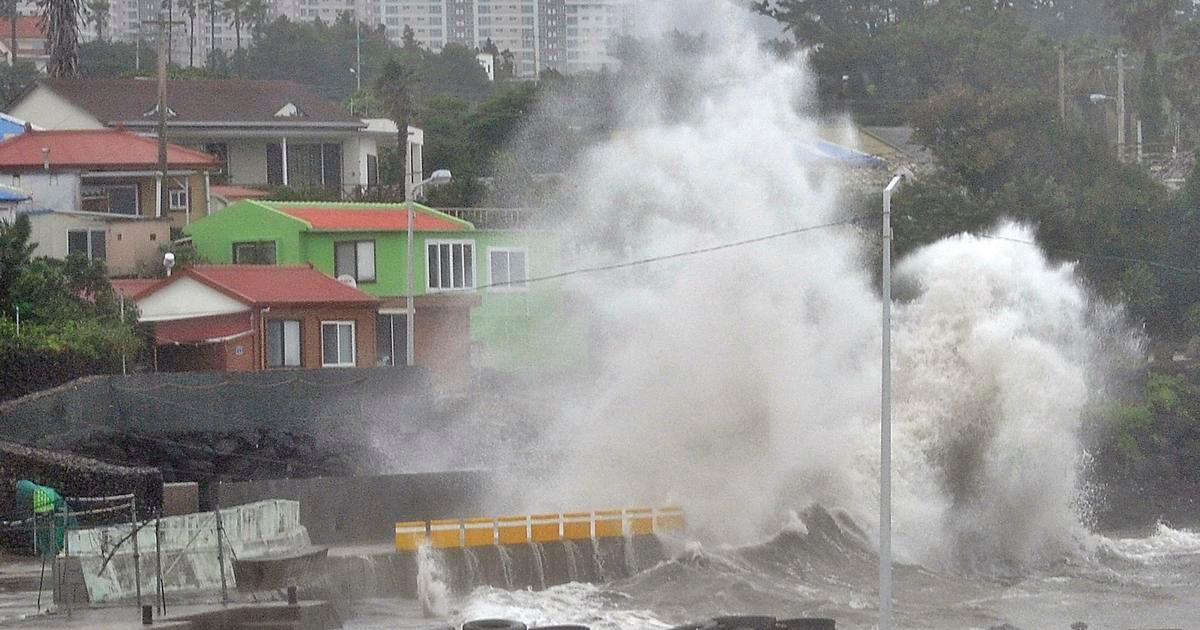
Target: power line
{"x": 665, "y": 257}
{"x": 1152, "y": 263}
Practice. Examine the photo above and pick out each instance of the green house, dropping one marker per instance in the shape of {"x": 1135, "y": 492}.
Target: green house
{"x": 458, "y": 272}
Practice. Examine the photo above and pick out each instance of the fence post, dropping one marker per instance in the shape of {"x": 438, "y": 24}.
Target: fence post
{"x": 133, "y": 532}
{"x": 162, "y": 592}
{"x": 69, "y": 587}
{"x": 221, "y": 555}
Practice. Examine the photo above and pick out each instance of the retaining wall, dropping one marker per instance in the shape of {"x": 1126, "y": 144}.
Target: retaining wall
{"x": 365, "y": 509}
{"x": 189, "y": 550}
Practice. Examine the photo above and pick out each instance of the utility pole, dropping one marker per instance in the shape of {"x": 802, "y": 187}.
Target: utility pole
{"x": 358, "y": 51}
{"x": 1120, "y": 104}
{"x": 163, "y": 187}
{"x": 1062, "y": 84}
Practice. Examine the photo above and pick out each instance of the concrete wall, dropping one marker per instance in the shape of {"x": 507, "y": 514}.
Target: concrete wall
{"x": 164, "y": 417}
{"x": 55, "y": 190}
{"x": 366, "y": 509}
{"x": 189, "y": 549}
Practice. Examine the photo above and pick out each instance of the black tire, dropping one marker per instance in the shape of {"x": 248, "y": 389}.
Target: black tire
{"x": 806, "y": 623}
{"x": 493, "y": 624}
{"x": 745, "y": 622}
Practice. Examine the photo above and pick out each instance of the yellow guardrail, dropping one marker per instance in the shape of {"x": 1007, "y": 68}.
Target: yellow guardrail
{"x": 539, "y": 528}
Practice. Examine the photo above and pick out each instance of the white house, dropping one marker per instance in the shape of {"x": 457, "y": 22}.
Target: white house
{"x": 266, "y": 133}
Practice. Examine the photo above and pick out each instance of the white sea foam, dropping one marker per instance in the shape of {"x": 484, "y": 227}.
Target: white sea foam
{"x": 575, "y": 603}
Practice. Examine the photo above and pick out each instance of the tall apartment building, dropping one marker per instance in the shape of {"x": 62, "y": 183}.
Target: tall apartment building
{"x": 565, "y": 35}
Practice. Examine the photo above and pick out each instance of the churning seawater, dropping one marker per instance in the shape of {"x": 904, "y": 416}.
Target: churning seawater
{"x": 743, "y": 384}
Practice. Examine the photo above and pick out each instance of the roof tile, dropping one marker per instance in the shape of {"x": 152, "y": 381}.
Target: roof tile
{"x": 100, "y": 148}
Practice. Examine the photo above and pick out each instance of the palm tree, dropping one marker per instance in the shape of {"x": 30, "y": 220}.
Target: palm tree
{"x": 189, "y": 8}
{"x": 255, "y": 16}
{"x": 395, "y": 86}
{"x": 235, "y": 8}
{"x": 96, "y": 12}
{"x": 61, "y": 18}
{"x": 11, "y": 7}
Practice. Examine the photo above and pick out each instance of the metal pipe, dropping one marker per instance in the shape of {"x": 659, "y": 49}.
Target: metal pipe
{"x": 885, "y": 419}
{"x": 221, "y": 556}
{"x": 137, "y": 556}
{"x": 409, "y": 351}
{"x": 162, "y": 591}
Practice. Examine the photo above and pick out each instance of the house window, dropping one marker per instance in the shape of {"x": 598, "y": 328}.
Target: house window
{"x": 112, "y": 198}
{"x": 391, "y": 335}
{"x": 355, "y": 259}
{"x": 179, "y": 197}
{"x": 254, "y": 253}
{"x": 509, "y": 268}
{"x": 87, "y": 243}
{"x": 451, "y": 265}
{"x": 337, "y": 344}
{"x": 308, "y": 165}
{"x": 283, "y": 343}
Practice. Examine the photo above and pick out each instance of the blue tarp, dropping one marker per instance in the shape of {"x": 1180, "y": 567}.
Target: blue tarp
{"x": 10, "y": 126}
{"x": 809, "y": 151}
{"x": 12, "y": 195}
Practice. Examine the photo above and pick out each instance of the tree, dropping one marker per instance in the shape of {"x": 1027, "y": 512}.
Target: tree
{"x": 235, "y": 9}
{"x": 61, "y": 18}
{"x": 256, "y": 14}
{"x": 112, "y": 60}
{"x": 97, "y": 12}
{"x": 409, "y": 40}
{"x": 189, "y": 9}
{"x": 15, "y": 253}
{"x": 15, "y": 79}
{"x": 11, "y": 12}
{"x": 395, "y": 85}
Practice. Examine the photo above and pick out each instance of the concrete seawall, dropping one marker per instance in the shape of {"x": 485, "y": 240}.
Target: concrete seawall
{"x": 189, "y": 549}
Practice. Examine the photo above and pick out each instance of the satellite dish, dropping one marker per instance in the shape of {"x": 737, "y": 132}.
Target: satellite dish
{"x": 347, "y": 280}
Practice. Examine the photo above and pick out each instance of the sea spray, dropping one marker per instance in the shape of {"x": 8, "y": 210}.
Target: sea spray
{"x": 572, "y": 564}
{"x": 433, "y": 591}
{"x": 506, "y": 564}
{"x": 745, "y": 381}
{"x": 539, "y": 567}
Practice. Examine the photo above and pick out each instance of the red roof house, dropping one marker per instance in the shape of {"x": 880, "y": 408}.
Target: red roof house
{"x": 255, "y": 317}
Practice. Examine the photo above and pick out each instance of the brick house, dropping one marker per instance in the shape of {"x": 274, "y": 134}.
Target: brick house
{"x": 246, "y": 318}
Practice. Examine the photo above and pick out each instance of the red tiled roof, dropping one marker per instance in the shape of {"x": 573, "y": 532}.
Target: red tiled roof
{"x": 28, "y": 27}
{"x": 383, "y": 219}
{"x": 94, "y": 148}
{"x": 132, "y": 287}
{"x": 262, "y": 285}
{"x": 202, "y": 329}
{"x": 233, "y": 193}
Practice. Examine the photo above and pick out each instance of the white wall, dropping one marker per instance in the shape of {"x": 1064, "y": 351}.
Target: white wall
{"x": 54, "y": 190}
{"x": 43, "y": 108}
{"x": 49, "y": 231}
{"x": 186, "y": 298}
{"x": 247, "y": 161}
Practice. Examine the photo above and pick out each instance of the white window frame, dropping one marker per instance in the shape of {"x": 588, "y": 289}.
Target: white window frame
{"x": 283, "y": 364}
{"x": 353, "y": 343}
{"x": 474, "y": 264}
{"x": 358, "y": 274}
{"x": 173, "y": 194}
{"x": 508, "y": 287}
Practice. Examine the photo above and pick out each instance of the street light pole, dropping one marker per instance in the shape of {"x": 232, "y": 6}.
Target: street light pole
{"x": 1121, "y": 104}
{"x": 885, "y": 420}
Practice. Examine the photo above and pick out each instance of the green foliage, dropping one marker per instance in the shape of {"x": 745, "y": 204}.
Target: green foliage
{"x": 1131, "y": 421}
{"x": 14, "y": 80}
{"x": 185, "y": 256}
{"x": 1164, "y": 393}
{"x": 317, "y": 54}
{"x": 113, "y": 60}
